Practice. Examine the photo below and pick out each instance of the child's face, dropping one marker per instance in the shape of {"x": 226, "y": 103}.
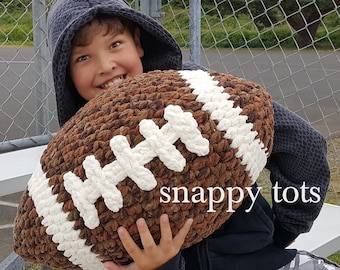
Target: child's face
{"x": 106, "y": 60}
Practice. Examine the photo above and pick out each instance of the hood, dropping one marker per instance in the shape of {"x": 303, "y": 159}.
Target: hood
{"x": 67, "y": 16}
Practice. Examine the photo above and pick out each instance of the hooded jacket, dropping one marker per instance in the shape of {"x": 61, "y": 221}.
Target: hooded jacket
{"x": 254, "y": 240}
{"x": 66, "y": 17}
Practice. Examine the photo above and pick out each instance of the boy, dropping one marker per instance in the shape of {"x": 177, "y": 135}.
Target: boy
{"x": 89, "y": 53}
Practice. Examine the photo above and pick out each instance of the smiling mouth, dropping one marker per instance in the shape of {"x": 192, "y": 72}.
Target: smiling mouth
{"x": 115, "y": 81}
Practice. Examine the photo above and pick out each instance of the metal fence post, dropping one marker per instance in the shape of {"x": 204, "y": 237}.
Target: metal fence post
{"x": 153, "y": 8}
{"x": 136, "y": 4}
{"x": 145, "y": 6}
{"x": 195, "y": 31}
{"x": 41, "y": 60}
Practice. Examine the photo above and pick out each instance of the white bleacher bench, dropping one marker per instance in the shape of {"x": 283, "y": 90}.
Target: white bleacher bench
{"x": 17, "y": 167}
{"x": 324, "y": 237}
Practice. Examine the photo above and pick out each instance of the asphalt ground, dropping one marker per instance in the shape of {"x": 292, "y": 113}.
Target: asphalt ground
{"x": 8, "y": 208}
{"x": 306, "y": 82}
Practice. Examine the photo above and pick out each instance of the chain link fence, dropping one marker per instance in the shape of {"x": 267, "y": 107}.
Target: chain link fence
{"x": 27, "y": 107}
{"x": 291, "y": 47}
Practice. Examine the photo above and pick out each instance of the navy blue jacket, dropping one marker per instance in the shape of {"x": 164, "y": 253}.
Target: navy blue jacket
{"x": 257, "y": 239}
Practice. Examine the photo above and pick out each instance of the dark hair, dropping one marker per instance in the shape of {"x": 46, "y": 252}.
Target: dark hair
{"x": 111, "y": 24}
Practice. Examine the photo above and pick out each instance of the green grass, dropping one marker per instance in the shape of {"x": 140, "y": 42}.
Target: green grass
{"x": 240, "y": 31}
{"x": 16, "y": 27}
{"x": 335, "y": 258}
{"x": 226, "y": 32}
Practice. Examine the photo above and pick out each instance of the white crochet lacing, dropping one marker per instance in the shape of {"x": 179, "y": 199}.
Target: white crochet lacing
{"x": 130, "y": 163}
{"x": 250, "y": 150}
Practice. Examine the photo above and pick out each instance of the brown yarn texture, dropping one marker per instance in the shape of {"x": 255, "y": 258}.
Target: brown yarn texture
{"x": 119, "y": 112}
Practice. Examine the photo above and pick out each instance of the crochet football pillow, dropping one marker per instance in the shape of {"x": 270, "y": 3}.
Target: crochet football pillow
{"x": 185, "y": 143}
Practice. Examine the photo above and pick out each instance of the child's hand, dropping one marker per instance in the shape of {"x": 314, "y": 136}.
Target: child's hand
{"x": 152, "y": 256}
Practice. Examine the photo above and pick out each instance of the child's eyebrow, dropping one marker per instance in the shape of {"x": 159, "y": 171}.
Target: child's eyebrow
{"x": 76, "y": 52}
{"x": 77, "y": 49}
{"x": 116, "y": 33}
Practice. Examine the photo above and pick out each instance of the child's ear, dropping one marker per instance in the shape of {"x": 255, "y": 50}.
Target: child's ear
{"x": 138, "y": 42}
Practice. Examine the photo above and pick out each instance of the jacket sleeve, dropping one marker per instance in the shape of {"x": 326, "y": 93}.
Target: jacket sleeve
{"x": 299, "y": 173}
{"x": 176, "y": 263}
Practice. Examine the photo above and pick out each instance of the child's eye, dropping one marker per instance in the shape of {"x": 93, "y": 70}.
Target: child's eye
{"x": 82, "y": 58}
{"x": 115, "y": 44}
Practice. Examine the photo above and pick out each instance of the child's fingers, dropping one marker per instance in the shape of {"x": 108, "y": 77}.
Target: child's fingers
{"x": 145, "y": 235}
{"x": 129, "y": 244}
{"x": 180, "y": 236}
{"x": 167, "y": 242}
{"x": 166, "y": 233}
{"x": 111, "y": 266}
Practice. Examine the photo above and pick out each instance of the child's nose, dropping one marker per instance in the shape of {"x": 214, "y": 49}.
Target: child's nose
{"x": 106, "y": 64}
